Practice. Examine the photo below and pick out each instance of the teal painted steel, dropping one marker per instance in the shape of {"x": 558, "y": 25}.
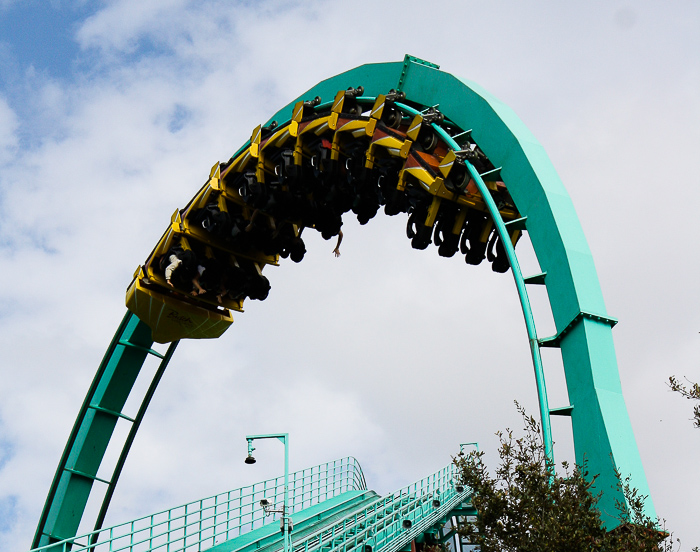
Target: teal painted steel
{"x": 132, "y": 433}
{"x": 602, "y": 431}
{"x": 526, "y": 308}
{"x": 268, "y": 537}
{"x": 203, "y": 523}
{"x": 331, "y": 505}
{"x": 284, "y": 439}
{"x": 383, "y": 526}
{"x": 601, "y": 428}
{"x": 520, "y": 286}
{"x": 93, "y": 429}
{"x": 387, "y": 524}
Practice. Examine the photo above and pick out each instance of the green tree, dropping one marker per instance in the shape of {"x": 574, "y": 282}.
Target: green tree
{"x": 691, "y": 392}
{"x": 527, "y": 506}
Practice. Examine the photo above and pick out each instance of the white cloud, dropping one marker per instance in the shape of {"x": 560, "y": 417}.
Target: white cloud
{"x": 121, "y": 24}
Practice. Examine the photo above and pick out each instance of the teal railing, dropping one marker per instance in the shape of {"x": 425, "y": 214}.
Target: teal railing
{"x": 394, "y": 521}
{"x": 202, "y": 524}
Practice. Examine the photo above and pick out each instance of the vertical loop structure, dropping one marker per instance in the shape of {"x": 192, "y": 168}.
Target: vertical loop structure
{"x": 412, "y": 139}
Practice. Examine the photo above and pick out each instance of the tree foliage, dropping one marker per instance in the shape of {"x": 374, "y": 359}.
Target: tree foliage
{"x": 528, "y": 507}
{"x": 691, "y": 392}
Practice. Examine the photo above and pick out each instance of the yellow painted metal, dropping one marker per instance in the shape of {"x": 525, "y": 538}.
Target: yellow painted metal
{"x": 315, "y": 126}
{"x": 171, "y": 318}
{"x": 486, "y": 231}
{"x": 335, "y": 147}
{"x": 433, "y": 211}
{"x": 260, "y": 167}
{"x": 174, "y": 313}
{"x": 255, "y": 141}
{"x": 414, "y": 127}
{"x": 378, "y": 107}
{"x": 371, "y": 127}
{"x": 401, "y": 186}
{"x": 239, "y": 163}
{"x": 447, "y": 163}
{"x": 215, "y": 170}
{"x": 298, "y": 111}
{"x": 333, "y": 120}
{"x": 338, "y": 102}
{"x": 279, "y": 137}
{"x": 353, "y": 126}
{"x": 459, "y": 220}
{"x": 393, "y": 145}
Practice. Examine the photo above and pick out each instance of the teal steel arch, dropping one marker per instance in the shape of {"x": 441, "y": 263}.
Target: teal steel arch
{"x": 602, "y": 431}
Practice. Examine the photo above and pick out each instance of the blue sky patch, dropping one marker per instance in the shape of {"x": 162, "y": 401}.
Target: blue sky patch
{"x": 8, "y": 512}
{"x": 7, "y": 451}
{"x": 179, "y": 118}
{"x": 41, "y": 34}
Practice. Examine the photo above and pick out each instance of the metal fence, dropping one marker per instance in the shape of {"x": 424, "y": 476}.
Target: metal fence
{"x": 201, "y": 524}
{"x": 393, "y": 521}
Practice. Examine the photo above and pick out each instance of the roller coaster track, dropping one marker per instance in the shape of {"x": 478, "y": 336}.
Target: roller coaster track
{"x": 411, "y": 139}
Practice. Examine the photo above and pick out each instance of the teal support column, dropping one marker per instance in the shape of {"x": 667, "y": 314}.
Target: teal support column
{"x": 101, "y": 410}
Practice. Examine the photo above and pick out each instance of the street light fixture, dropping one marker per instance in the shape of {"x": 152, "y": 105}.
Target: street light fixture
{"x": 267, "y": 507}
{"x": 249, "y": 459}
{"x": 462, "y": 445}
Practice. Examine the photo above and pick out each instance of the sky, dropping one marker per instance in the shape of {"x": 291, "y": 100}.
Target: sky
{"x": 111, "y": 116}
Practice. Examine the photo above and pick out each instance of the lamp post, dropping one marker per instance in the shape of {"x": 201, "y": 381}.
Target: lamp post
{"x": 462, "y": 445}
{"x": 284, "y": 438}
